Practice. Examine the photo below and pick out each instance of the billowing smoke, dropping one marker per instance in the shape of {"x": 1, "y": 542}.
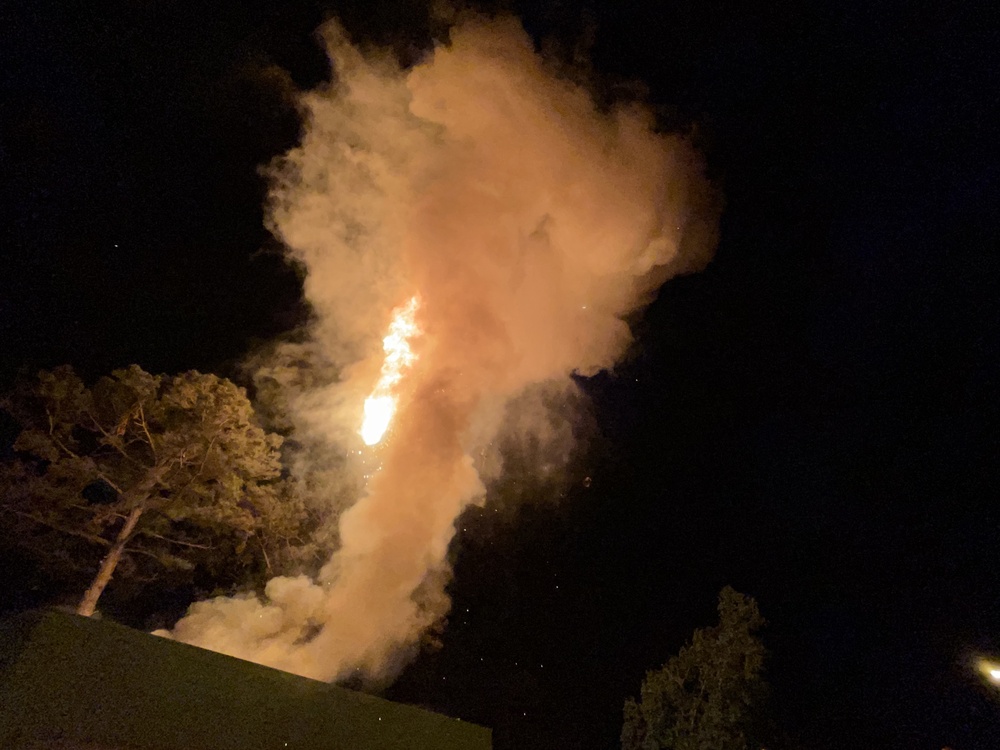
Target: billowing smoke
{"x": 527, "y": 223}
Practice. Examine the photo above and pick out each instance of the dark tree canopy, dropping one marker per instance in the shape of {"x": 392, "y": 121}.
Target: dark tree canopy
{"x": 142, "y": 473}
{"x": 705, "y": 697}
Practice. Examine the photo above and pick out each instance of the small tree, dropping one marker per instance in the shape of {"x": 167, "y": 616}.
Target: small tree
{"x": 705, "y": 697}
{"x": 157, "y": 467}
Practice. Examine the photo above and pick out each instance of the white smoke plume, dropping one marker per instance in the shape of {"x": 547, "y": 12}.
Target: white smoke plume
{"x": 528, "y": 224}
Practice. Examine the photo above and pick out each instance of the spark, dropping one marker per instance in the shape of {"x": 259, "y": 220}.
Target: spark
{"x": 381, "y": 404}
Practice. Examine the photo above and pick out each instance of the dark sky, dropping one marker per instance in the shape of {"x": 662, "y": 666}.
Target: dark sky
{"x": 812, "y": 419}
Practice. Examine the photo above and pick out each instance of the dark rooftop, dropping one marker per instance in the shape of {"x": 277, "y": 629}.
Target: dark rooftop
{"x": 70, "y": 682}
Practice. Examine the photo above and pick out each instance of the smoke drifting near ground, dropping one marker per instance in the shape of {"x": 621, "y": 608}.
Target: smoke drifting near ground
{"x": 528, "y": 224}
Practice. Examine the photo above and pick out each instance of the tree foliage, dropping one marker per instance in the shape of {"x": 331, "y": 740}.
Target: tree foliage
{"x": 705, "y": 697}
{"x": 143, "y": 473}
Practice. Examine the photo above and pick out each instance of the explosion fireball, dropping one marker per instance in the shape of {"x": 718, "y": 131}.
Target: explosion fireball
{"x": 532, "y": 223}
{"x": 381, "y": 404}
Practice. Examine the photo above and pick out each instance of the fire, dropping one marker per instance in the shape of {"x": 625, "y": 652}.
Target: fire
{"x": 381, "y": 404}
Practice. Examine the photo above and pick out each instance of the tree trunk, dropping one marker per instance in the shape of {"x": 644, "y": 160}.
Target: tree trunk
{"x": 89, "y": 602}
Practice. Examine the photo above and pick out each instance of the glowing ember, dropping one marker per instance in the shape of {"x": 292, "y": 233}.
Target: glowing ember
{"x": 381, "y": 404}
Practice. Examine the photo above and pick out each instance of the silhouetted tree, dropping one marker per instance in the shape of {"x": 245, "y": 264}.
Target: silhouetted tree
{"x": 706, "y": 696}
{"x": 168, "y": 469}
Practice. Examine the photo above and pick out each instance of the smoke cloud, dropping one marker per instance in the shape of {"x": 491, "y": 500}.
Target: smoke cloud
{"x": 528, "y": 224}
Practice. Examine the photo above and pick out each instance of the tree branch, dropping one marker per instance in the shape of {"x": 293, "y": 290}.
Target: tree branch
{"x": 145, "y": 428}
{"x": 266, "y": 558}
{"x": 140, "y": 551}
{"x": 113, "y": 442}
{"x": 205, "y": 457}
{"x": 52, "y": 434}
{"x": 146, "y": 532}
{"x": 56, "y": 527}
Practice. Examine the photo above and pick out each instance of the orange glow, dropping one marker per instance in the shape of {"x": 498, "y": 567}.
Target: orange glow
{"x": 381, "y": 404}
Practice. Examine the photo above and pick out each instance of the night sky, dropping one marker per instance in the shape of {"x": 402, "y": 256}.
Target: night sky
{"x": 812, "y": 419}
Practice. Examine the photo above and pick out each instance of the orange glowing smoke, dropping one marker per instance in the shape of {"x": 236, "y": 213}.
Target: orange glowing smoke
{"x": 381, "y": 404}
{"x": 533, "y": 223}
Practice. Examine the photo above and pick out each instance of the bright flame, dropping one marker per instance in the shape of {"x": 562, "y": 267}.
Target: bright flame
{"x": 381, "y": 404}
